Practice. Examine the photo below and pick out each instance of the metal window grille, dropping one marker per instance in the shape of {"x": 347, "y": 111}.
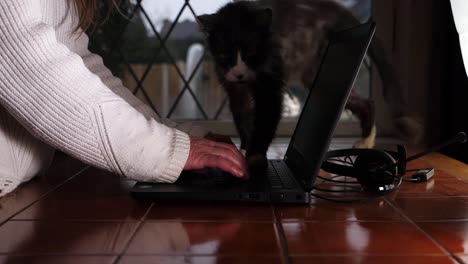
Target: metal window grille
{"x": 164, "y": 60}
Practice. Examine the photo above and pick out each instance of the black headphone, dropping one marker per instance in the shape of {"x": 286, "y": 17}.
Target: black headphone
{"x": 376, "y": 170}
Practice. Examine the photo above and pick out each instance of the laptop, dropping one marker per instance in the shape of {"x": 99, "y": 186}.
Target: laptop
{"x": 291, "y": 179}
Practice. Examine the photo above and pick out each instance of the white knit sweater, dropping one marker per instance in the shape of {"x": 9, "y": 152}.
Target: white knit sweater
{"x": 64, "y": 95}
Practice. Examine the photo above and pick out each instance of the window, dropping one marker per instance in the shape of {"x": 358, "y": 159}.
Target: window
{"x": 158, "y": 52}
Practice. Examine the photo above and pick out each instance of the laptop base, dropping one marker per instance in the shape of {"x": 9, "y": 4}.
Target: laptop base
{"x": 225, "y": 196}
{"x": 233, "y": 189}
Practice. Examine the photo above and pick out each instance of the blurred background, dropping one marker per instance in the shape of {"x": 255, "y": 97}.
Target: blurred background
{"x": 156, "y": 48}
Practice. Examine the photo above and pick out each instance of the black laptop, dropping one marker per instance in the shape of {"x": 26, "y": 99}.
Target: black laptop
{"x": 289, "y": 180}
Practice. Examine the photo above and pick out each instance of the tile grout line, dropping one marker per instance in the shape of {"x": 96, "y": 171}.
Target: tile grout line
{"x": 223, "y": 255}
{"x": 137, "y": 220}
{"x": 138, "y": 227}
{"x": 44, "y": 195}
{"x": 431, "y": 197}
{"x": 435, "y": 241}
{"x": 281, "y": 237}
{"x": 327, "y": 255}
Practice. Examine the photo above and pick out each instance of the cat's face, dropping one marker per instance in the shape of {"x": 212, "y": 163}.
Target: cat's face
{"x": 238, "y": 38}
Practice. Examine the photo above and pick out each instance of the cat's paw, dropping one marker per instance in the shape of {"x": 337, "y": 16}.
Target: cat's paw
{"x": 257, "y": 165}
{"x": 369, "y": 141}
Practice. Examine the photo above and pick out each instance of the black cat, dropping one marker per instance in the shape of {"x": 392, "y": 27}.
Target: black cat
{"x": 259, "y": 46}
{"x": 249, "y": 66}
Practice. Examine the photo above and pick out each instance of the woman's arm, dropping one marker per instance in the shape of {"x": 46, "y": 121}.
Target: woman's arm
{"x": 51, "y": 92}
{"x": 96, "y": 65}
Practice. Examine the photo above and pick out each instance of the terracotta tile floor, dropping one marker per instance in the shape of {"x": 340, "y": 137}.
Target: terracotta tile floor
{"x": 76, "y": 214}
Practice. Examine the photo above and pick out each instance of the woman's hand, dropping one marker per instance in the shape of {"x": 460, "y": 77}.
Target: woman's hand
{"x": 205, "y": 153}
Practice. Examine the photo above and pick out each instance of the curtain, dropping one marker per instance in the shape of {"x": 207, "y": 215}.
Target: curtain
{"x": 424, "y": 44}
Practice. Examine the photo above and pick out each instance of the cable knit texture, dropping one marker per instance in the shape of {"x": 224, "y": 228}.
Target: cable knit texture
{"x": 65, "y": 96}
{"x": 22, "y": 155}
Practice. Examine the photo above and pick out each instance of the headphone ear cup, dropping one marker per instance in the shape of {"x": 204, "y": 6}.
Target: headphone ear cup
{"x": 373, "y": 163}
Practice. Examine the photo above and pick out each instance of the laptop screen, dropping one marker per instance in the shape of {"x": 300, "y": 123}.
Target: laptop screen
{"x": 326, "y": 101}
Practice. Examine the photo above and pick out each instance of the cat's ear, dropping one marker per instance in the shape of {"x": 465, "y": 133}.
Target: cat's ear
{"x": 264, "y": 18}
{"x": 207, "y": 22}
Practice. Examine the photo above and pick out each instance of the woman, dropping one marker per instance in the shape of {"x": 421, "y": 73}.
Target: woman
{"x": 55, "y": 94}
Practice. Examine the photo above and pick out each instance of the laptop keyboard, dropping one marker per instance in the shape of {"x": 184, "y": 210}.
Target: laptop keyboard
{"x": 278, "y": 177}
{"x": 213, "y": 178}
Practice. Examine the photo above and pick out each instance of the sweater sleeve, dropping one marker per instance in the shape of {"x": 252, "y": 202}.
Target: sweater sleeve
{"x": 96, "y": 65}
{"x": 51, "y": 92}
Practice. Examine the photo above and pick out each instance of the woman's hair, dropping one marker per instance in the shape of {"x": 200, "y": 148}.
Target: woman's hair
{"x": 89, "y": 13}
